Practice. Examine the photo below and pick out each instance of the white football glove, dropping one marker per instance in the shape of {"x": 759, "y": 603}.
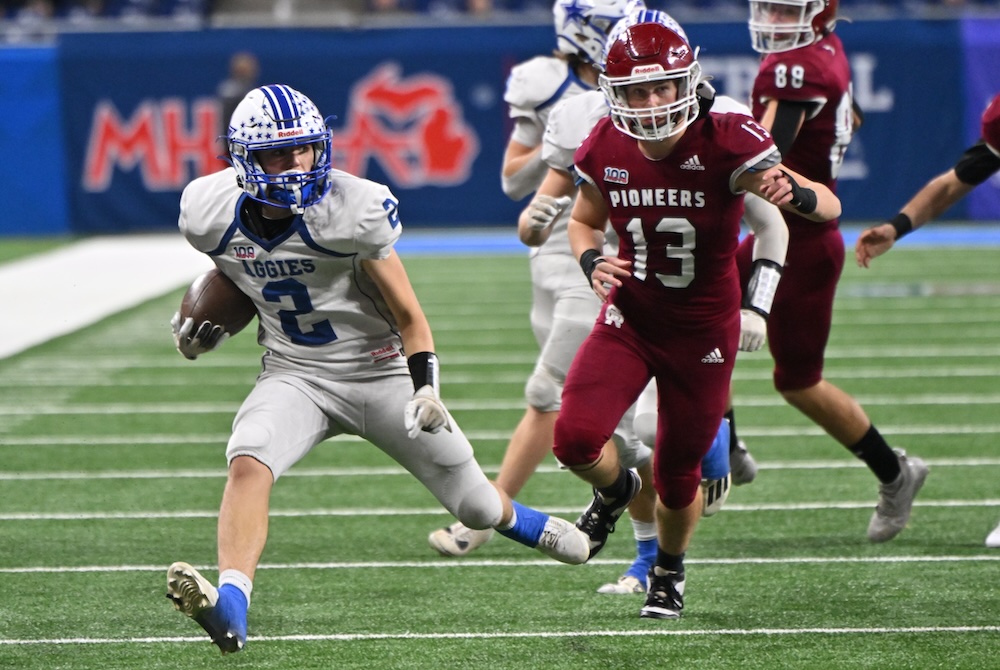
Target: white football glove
{"x": 544, "y": 209}
{"x": 192, "y": 343}
{"x": 425, "y": 412}
{"x": 753, "y": 330}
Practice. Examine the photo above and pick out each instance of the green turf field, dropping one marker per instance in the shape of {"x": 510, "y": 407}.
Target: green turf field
{"x": 112, "y": 467}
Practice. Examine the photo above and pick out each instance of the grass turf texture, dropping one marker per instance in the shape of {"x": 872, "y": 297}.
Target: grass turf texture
{"x": 113, "y": 467}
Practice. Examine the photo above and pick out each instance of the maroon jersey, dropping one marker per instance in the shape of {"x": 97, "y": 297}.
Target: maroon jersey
{"x": 991, "y": 124}
{"x": 818, "y": 74}
{"x": 678, "y": 219}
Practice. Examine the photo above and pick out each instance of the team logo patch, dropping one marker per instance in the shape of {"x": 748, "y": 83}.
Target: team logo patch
{"x": 714, "y": 356}
{"x": 693, "y": 163}
{"x": 616, "y": 175}
{"x": 244, "y": 252}
{"x": 613, "y": 317}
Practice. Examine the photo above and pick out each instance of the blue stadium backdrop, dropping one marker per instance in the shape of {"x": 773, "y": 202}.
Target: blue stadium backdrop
{"x": 112, "y": 126}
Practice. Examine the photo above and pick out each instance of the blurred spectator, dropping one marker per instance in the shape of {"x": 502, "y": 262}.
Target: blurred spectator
{"x": 386, "y": 6}
{"x": 244, "y": 69}
{"x": 31, "y": 21}
{"x": 82, "y": 11}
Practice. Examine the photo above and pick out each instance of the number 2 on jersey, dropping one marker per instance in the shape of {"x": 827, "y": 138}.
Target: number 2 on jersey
{"x": 321, "y": 332}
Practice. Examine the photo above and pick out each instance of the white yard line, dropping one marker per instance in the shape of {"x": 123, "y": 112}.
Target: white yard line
{"x": 355, "y": 513}
{"x": 659, "y": 632}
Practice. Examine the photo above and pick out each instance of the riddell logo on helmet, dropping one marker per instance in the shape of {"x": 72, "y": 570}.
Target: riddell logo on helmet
{"x": 646, "y": 69}
{"x": 291, "y": 133}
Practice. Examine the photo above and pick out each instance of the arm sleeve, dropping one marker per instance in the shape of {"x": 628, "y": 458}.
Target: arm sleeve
{"x": 787, "y": 119}
{"x": 977, "y": 164}
{"x": 769, "y": 229}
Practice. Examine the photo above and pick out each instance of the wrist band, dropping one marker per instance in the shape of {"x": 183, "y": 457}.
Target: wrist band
{"x": 423, "y": 370}
{"x": 903, "y": 225}
{"x": 588, "y": 261}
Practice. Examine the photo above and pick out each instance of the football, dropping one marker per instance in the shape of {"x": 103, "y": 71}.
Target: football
{"x": 214, "y": 297}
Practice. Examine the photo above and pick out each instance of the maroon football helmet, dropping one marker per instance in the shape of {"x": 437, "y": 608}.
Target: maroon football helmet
{"x": 651, "y": 52}
{"x": 783, "y": 25}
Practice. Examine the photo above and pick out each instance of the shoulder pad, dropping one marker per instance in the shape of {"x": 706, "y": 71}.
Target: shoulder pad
{"x": 725, "y": 105}
{"x": 570, "y": 122}
{"x": 533, "y": 82}
{"x": 208, "y": 209}
{"x": 360, "y": 210}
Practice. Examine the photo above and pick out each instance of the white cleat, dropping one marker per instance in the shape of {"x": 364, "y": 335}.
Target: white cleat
{"x": 626, "y": 585}
{"x": 458, "y": 540}
{"x": 742, "y": 465}
{"x": 993, "y": 539}
{"x": 564, "y": 542}
{"x": 895, "y": 500}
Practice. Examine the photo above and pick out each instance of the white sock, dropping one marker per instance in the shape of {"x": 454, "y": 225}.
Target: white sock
{"x": 509, "y": 524}
{"x": 644, "y": 530}
{"x": 239, "y": 580}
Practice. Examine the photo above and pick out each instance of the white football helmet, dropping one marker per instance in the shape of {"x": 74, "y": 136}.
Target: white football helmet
{"x": 783, "y": 25}
{"x": 582, "y": 26}
{"x": 651, "y": 52}
{"x": 272, "y": 117}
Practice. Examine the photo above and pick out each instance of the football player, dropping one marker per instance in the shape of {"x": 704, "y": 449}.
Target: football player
{"x": 974, "y": 166}
{"x": 347, "y": 347}
{"x": 570, "y": 122}
{"x": 802, "y": 95}
{"x": 562, "y": 309}
{"x": 672, "y": 183}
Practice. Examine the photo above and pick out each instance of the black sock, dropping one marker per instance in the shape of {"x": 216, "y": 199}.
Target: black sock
{"x": 731, "y": 415}
{"x": 669, "y": 562}
{"x": 618, "y": 489}
{"x": 877, "y": 455}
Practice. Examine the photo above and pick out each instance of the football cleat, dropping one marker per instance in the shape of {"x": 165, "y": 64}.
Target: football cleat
{"x": 458, "y": 540}
{"x": 598, "y": 520}
{"x": 626, "y": 584}
{"x": 993, "y": 539}
{"x": 895, "y": 500}
{"x": 221, "y": 612}
{"x": 714, "y": 493}
{"x": 742, "y": 464}
{"x": 564, "y": 542}
{"x": 664, "y": 596}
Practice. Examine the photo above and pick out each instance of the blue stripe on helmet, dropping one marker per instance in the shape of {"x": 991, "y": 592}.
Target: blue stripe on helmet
{"x": 285, "y": 111}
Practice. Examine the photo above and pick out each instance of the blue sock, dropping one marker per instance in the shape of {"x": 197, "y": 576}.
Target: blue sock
{"x": 715, "y": 465}
{"x": 232, "y": 605}
{"x": 645, "y": 556}
{"x": 528, "y": 525}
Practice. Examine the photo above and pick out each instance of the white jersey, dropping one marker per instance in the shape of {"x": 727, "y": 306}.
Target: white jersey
{"x": 318, "y": 309}
{"x": 533, "y": 88}
{"x": 569, "y": 123}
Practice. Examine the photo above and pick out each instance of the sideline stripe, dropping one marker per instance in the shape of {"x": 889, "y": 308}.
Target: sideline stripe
{"x": 75, "y": 286}
{"x": 659, "y": 632}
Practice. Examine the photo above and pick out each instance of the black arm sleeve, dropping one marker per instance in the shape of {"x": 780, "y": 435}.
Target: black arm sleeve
{"x": 787, "y": 119}
{"x": 977, "y": 164}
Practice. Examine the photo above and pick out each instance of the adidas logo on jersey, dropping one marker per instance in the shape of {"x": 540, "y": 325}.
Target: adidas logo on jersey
{"x": 714, "y": 356}
{"x": 693, "y": 163}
